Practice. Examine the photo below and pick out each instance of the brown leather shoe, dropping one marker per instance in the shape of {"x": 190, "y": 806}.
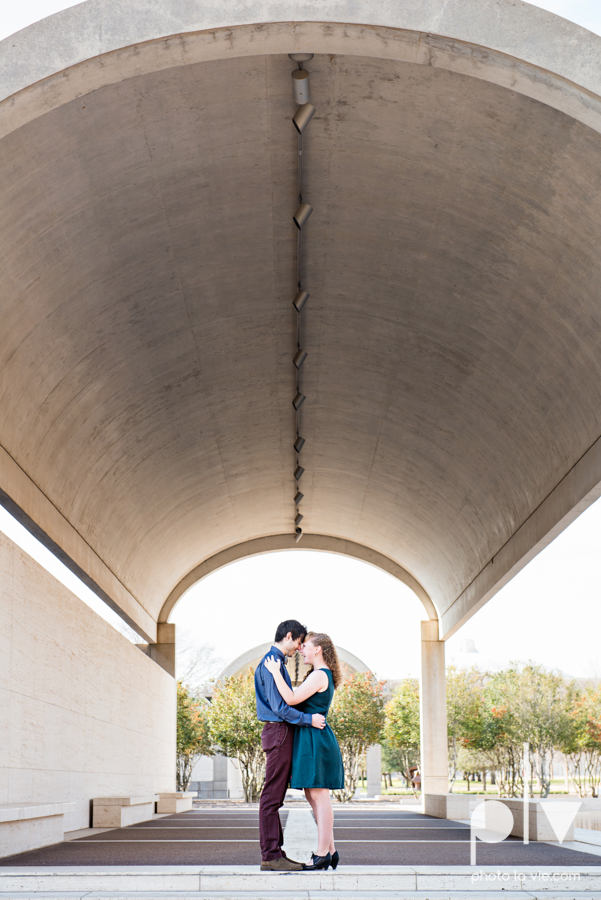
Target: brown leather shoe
{"x": 280, "y": 865}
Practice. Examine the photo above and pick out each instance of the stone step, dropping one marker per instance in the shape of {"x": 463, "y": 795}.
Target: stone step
{"x": 303, "y": 895}
{"x": 355, "y": 881}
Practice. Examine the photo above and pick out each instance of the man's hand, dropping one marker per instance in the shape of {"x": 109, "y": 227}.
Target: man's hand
{"x": 318, "y": 721}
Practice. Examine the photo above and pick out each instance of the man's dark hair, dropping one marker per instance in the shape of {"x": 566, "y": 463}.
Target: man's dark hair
{"x": 290, "y": 625}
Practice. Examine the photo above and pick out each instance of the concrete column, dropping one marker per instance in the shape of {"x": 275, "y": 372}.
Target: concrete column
{"x": 235, "y": 790}
{"x": 220, "y": 766}
{"x": 163, "y": 652}
{"x": 433, "y": 713}
{"x": 374, "y": 770}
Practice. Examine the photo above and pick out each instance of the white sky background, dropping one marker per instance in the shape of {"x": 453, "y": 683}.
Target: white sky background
{"x": 551, "y": 612}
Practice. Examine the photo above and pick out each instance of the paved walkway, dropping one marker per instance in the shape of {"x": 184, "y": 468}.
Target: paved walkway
{"x": 230, "y": 837}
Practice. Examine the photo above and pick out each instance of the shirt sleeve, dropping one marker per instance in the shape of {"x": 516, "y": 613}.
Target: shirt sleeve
{"x": 278, "y": 705}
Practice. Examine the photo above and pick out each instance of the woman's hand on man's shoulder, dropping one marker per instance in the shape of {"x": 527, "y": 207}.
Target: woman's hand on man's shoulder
{"x": 272, "y": 664}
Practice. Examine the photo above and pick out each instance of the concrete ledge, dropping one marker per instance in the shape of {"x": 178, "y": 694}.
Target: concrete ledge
{"x": 447, "y": 806}
{"x": 119, "y": 812}
{"x": 538, "y": 824}
{"x": 359, "y": 881}
{"x": 179, "y": 801}
{"x": 28, "y": 826}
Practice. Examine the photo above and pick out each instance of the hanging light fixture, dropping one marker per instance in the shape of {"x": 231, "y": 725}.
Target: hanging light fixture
{"x": 300, "y": 300}
{"x": 303, "y": 115}
{"x": 299, "y": 399}
{"x": 301, "y": 88}
{"x": 299, "y": 358}
{"x": 302, "y": 214}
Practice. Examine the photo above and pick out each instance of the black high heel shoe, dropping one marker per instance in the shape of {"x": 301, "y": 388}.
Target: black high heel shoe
{"x": 319, "y": 862}
{"x": 334, "y": 861}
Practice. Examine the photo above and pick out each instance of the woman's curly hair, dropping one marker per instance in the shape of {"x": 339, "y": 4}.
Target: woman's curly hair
{"x": 330, "y": 656}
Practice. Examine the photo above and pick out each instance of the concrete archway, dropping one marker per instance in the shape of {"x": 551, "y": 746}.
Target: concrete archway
{"x": 279, "y": 542}
{"x": 148, "y": 164}
{"x": 457, "y": 425}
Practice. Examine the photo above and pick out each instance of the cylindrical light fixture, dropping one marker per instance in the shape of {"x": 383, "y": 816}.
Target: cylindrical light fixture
{"x": 298, "y": 519}
{"x": 298, "y": 497}
{"x": 303, "y": 116}
{"x": 298, "y": 400}
{"x": 300, "y": 86}
{"x": 298, "y": 473}
{"x": 298, "y": 444}
{"x": 298, "y": 535}
{"x": 302, "y": 214}
{"x": 299, "y": 358}
{"x": 300, "y": 300}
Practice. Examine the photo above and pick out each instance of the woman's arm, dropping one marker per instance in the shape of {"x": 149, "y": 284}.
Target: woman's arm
{"x": 315, "y": 682}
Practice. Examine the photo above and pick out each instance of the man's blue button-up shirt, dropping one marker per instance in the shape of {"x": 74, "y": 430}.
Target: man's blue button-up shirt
{"x": 271, "y": 706}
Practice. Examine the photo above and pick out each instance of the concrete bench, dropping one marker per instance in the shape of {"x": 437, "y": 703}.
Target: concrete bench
{"x": 118, "y": 812}
{"x": 447, "y": 806}
{"x": 539, "y": 827}
{"x": 180, "y": 801}
{"x": 27, "y": 826}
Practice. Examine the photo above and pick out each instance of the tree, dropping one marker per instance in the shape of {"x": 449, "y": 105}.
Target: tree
{"x": 193, "y": 739}
{"x": 499, "y": 742}
{"x": 236, "y": 731}
{"x": 524, "y": 704}
{"x": 542, "y": 702}
{"x": 464, "y": 703}
{"x": 393, "y": 760}
{"x": 471, "y": 762}
{"x": 582, "y": 745}
{"x": 195, "y": 663}
{"x": 401, "y": 728}
{"x": 356, "y": 718}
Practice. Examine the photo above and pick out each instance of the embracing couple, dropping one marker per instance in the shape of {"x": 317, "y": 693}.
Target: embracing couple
{"x": 299, "y": 745}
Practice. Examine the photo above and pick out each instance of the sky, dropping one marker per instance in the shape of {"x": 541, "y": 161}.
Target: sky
{"x": 550, "y": 612}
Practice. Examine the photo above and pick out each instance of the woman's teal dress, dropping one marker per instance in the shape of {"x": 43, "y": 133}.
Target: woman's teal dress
{"x": 316, "y": 758}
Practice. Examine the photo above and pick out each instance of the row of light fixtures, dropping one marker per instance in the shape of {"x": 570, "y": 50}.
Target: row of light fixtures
{"x": 300, "y": 120}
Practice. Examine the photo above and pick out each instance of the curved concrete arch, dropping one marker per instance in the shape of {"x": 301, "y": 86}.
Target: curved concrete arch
{"x": 278, "y": 542}
{"x": 245, "y": 659}
{"x": 549, "y": 71}
{"x": 92, "y": 29}
{"x": 453, "y": 420}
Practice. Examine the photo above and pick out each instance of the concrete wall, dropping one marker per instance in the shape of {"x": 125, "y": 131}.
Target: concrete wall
{"x": 83, "y": 712}
{"x": 217, "y": 778}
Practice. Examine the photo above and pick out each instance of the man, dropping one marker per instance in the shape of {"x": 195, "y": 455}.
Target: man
{"x": 277, "y": 739}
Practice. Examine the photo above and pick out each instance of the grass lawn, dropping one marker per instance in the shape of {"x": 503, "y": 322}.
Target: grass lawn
{"x": 475, "y": 788}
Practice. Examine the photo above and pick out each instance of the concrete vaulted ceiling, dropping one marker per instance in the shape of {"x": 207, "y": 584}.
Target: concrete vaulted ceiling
{"x": 147, "y": 182}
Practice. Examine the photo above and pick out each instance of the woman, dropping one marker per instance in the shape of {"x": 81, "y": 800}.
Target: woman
{"x": 316, "y": 760}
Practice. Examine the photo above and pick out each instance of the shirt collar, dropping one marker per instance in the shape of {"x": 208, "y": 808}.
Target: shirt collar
{"x": 277, "y": 651}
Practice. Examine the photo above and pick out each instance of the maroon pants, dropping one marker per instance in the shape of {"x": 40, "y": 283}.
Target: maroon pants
{"x": 277, "y": 744}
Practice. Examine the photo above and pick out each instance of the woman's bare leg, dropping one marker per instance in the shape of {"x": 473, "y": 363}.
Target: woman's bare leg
{"x": 311, "y": 801}
{"x": 320, "y": 801}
